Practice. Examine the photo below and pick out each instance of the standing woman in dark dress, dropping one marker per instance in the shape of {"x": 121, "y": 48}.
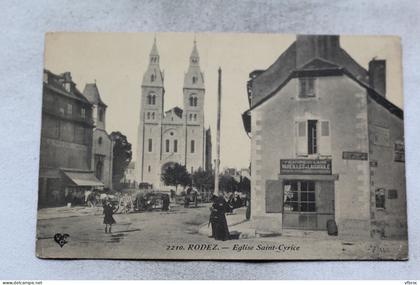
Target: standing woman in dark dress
{"x": 218, "y": 218}
{"x": 109, "y": 210}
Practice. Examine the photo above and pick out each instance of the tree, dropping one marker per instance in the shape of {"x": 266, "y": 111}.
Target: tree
{"x": 244, "y": 185}
{"x": 227, "y": 183}
{"x": 122, "y": 155}
{"x": 175, "y": 175}
{"x": 203, "y": 179}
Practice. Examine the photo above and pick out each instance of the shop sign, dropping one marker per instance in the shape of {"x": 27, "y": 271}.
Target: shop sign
{"x": 354, "y": 155}
{"x": 305, "y": 166}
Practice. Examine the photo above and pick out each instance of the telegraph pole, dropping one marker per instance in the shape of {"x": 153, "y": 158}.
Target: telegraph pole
{"x": 216, "y": 168}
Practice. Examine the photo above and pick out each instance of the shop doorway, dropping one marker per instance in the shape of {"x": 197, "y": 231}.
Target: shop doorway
{"x": 308, "y": 204}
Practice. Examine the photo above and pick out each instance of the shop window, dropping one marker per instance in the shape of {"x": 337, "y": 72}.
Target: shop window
{"x": 380, "y": 198}
{"x": 299, "y": 196}
{"x": 150, "y": 146}
{"x": 307, "y": 87}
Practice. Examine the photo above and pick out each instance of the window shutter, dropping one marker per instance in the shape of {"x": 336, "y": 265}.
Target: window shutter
{"x": 274, "y": 196}
{"x": 301, "y": 138}
{"x": 325, "y": 138}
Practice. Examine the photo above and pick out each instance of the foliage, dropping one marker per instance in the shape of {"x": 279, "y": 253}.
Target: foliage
{"x": 203, "y": 179}
{"x": 227, "y": 183}
{"x": 122, "y": 155}
{"x": 244, "y": 185}
{"x": 175, "y": 175}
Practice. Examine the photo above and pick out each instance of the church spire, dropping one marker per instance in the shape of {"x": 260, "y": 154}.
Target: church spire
{"x": 153, "y": 75}
{"x": 154, "y": 53}
{"x": 194, "y": 77}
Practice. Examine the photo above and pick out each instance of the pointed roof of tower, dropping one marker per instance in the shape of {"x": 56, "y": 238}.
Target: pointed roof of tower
{"x": 91, "y": 92}
{"x": 154, "y": 50}
{"x": 194, "y": 78}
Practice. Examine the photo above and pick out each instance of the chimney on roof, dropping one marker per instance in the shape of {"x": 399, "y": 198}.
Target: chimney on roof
{"x": 309, "y": 47}
{"x": 377, "y": 75}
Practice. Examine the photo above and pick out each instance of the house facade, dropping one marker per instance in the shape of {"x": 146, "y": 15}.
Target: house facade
{"x": 326, "y": 144}
{"x": 66, "y": 143}
{"x": 173, "y": 136}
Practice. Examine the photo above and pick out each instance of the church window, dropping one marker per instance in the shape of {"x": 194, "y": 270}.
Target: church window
{"x": 192, "y": 146}
{"x": 150, "y": 147}
{"x": 195, "y": 117}
{"x": 148, "y": 115}
{"x": 175, "y": 145}
{"x": 194, "y": 80}
{"x": 153, "y": 115}
{"x": 100, "y": 140}
{"x": 306, "y": 87}
{"x": 190, "y": 117}
{"x": 167, "y": 145}
{"x": 149, "y": 168}
{"x": 153, "y": 100}
{"x": 152, "y": 78}
{"x": 193, "y": 101}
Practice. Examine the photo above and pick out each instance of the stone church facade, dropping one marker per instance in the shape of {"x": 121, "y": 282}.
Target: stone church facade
{"x": 176, "y": 135}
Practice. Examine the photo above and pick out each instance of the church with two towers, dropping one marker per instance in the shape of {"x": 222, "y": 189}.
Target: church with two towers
{"x": 176, "y": 135}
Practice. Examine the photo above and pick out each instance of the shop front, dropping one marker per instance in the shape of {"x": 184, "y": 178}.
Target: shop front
{"x": 77, "y": 184}
{"x": 308, "y": 193}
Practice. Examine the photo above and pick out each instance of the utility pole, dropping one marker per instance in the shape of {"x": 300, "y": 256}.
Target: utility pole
{"x": 216, "y": 168}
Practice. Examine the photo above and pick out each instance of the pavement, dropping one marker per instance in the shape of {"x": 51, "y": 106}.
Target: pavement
{"x": 68, "y": 212}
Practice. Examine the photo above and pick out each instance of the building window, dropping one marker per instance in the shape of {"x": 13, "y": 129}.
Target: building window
{"x": 167, "y": 145}
{"x": 193, "y": 101}
{"x": 392, "y": 194}
{"x": 306, "y": 87}
{"x": 100, "y": 140}
{"x": 83, "y": 113}
{"x": 69, "y": 109}
{"x": 312, "y": 137}
{"x": 150, "y": 145}
{"x": 192, "y": 147}
{"x": 380, "y": 198}
{"x": 175, "y": 145}
{"x": 101, "y": 115}
{"x": 151, "y": 99}
{"x": 299, "y": 196}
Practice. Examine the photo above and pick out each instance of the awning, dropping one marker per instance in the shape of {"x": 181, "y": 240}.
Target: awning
{"x": 83, "y": 178}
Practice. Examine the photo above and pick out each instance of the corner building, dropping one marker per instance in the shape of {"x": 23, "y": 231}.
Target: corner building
{"x": 173, "y": 136}
{"x": 326, "y": 144}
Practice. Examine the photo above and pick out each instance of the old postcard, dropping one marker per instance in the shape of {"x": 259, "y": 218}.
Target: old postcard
{"x": 222, "y": 147}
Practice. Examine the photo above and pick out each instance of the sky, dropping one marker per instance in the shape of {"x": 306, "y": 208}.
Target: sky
{"x": 117, "y": 61}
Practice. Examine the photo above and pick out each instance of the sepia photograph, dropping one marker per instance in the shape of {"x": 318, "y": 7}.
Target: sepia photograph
{"x": 222, "y": 146}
